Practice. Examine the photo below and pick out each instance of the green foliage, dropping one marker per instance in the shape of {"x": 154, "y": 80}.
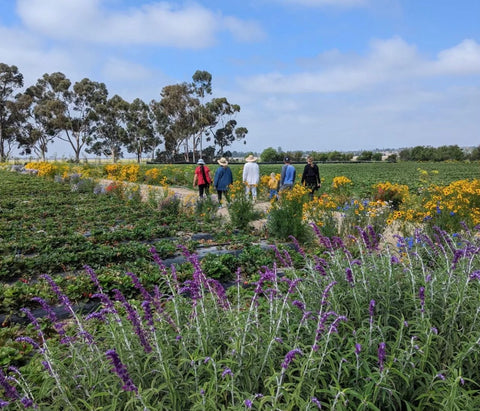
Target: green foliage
{"x": 241, "y": 211}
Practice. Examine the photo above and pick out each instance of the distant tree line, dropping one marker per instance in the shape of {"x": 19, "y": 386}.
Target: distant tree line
{"x": 443, "y": 153}
{"x": 173, "y": 128}
{"x": 418, "y": 153}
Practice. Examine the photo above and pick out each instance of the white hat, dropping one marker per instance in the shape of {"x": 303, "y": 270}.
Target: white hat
{"x": 251, "y": 158}
{"x": 223, "y": 161}
{"x": 200, "y": 161}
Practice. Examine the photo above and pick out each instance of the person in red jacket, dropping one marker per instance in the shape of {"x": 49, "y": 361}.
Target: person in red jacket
{"x": 202, "y": 179}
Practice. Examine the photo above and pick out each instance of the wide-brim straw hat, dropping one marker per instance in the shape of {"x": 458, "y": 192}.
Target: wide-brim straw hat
{"x": 251, "y": 158}
{"x": 223, "y": 161}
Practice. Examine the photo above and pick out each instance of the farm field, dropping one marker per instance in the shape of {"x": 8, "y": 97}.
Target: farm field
{"x": 196, "y": 312}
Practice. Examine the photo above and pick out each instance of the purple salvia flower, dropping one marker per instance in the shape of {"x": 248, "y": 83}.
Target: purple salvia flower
{"x": 356, "y": 261}
{"x": 320, "y": 265}
{"x": 441, "y": 376}
{"x": 382, "y": 355}
{"x": 475, "y": 275}
{"x": 326, "y": 292}
{"x": 134, "y": 319}
{"x": 93, "y": 277}
{"x": 121, "y": 371}
{"x": 9, "y": 390}
{"x": 30, "y": 341}
{"x": 321, "y": 323}
{"x": 248, "y": 403}
{"x": 139, "y": 286}
{"x": 290, "y": 357}
{"x": 299, "y": 305}
{"x": 279, "y": 340}
{"x": 48, "y": 367}
{"x": 27, "y": 402}
{"x": 292, "y": 284}
{"x": 317, "y": 402}
{"x": 60, "y": 295}
{"x": 358, "y": 349}
{"x": 227, "y": 371}
{"x": 371, "y": 310}
{"x": 147, "y": 310}
{"x": 333, "y": 327}
{"x": 428, "y": 278}
{"x": 279, "y": 256}
{"x": 33, "y": 320}
{"x": 219, "y": 291}
{"x": 394, "y": 259}
{"x": 288, "y": 258}
{"x": 157, "y": 259}
{"x": 434, "y": 330}
{"x": 51, "y": 315}
{"x": 4, "y": 404}
{"x": 421, "y": 295}
{"x": 349, "y": 276}
{"x": 298, "y": 248}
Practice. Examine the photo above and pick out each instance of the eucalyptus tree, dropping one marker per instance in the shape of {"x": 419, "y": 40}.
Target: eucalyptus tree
{"x": 140, "y": 136}
{"x": 81, "y": 115}
{"x": 44, "y": 106}
{"x": 109, "y": 134}
{"x": 178, "y": 105}
{"x": 10, "y": 80}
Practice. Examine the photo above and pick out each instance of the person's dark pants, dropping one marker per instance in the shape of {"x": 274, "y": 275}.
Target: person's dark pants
{"x": 220, "y": 194}
{"x": 203, "y": 188}
{"x": 312, "y": 188}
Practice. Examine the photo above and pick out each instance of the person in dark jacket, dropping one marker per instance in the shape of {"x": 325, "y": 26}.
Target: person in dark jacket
{"x": 222, "y": 179}
{"x": 311, "y": 176}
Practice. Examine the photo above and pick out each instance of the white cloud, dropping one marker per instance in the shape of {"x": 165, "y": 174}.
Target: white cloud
{"x": 155, "y": 23}
{"x": 461, "y": 59}
{"x": 391, "y": 61}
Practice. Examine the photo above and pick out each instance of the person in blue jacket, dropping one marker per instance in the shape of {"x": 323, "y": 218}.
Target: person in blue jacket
{"x": 222, "y": 179}
{"x": 288, "y": 175}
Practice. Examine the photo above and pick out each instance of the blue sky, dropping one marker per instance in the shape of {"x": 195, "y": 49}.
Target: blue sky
{"x": 317, "y": 75}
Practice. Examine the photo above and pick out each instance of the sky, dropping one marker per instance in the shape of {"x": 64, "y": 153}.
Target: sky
{"x": 309, "y": 75}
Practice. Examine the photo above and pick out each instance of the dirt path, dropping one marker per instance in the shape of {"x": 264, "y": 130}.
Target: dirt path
{"x": 187, "y": 194}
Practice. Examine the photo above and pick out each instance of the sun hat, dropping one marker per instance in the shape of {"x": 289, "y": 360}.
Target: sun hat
{"x": 251, "y": 158}
{"x": 223, "y": 161}
{"x": 200, "y": 161}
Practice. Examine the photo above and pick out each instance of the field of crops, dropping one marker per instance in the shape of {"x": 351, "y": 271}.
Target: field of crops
{"x": 192, "y": 311}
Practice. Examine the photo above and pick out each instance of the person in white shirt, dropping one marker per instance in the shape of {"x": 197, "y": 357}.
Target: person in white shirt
{"x": 251, "y": 176}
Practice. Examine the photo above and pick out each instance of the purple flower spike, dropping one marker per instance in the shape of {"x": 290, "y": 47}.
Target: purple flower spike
{"x": 227, "y": 371}
{"x": 121, "y": 371}
{"x": 317, "y": 402}
{"x": 326, "y": 292}
{"x": 290, "y": 357}
{"x": 349, "y": 275}
{"x": 382, "y": 355}
{"x": 9, "y": 390}
{"x": 421, "y": 295}
{"x": 371, "y": 310}
{"x": 358, "y": 349}
{"x": 248, "y": 403}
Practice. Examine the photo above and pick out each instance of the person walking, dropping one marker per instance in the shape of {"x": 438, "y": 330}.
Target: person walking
{"x": 311, "y": 177}
{"x": 273, "y": 186}
{"x": 201, "y": 177}
{"x": 251, "y": 176}
{"x": 222, "y": 179}
{"x": 288, "y": 175}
